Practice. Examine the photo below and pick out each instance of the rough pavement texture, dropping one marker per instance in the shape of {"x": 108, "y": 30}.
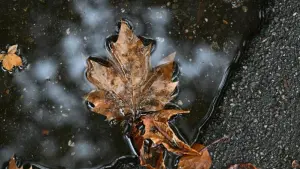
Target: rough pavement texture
{"x": 261, "y": 105}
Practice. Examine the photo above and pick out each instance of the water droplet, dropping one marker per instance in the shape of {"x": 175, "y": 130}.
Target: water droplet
{"x": 160, "y": 39}
{"x": 176, "y": 72}
{"x": 113, "y": 122}
{"x": 90, "y": 105}
{"x": 68, "y": 31}
{"x": 71, "y": 144}
{"x": 175, "y": 92}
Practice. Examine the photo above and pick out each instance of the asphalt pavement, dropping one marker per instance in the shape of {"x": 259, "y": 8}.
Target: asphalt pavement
{"x": 260, "y": 110}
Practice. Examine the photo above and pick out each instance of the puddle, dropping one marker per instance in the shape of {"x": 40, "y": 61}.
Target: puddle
{"x": 43, "y": 115}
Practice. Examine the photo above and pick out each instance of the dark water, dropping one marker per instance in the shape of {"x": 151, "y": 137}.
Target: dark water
{"x": 56, "y": 37}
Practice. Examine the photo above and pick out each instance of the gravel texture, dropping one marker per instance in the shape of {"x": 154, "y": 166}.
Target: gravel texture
{"x": 260, "y": 109}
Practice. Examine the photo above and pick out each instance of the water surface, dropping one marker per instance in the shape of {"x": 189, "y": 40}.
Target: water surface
{"x": 56, "y": 37}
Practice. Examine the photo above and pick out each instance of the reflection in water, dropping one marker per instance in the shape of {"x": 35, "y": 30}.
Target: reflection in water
{"x": 159, "y": 18}
{"x": 93, "y": 13}
{"x": 44, "y": 69}
{"x": 48, "y": 95}
{"x": 74, "y": 59}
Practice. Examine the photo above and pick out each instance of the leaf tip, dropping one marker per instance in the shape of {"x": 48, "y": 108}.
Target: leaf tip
{"x": 169, "y": 59}
{"x": 12, "y": 49}
{"x": 125, "y": 33}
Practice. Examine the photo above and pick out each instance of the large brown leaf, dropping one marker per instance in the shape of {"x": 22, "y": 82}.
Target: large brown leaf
{"x": 126, "y": 83}
{"x": 10, "y": 59}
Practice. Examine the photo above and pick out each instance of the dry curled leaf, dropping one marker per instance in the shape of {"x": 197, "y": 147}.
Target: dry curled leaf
{"x": 157, "y": 136}
{"x": 159, "y": 132}
{"x": 127, "y": 85}
{"x": 10, "y": 59}
{"x": 152, "y": 135}
{"x": 243, "y": 166}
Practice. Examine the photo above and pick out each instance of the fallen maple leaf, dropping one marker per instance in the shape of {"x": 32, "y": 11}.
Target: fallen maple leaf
{"x": 10, "y": 59}
{"x": 127, "y": 86}
{"x": 126, "y": 83}
{"x": 242, "y": 166}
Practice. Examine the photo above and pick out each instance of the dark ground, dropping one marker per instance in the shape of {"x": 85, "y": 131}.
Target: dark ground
{"x": 261, "y": 107}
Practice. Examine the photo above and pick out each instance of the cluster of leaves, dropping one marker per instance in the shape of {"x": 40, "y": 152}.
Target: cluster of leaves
{"x": 11, "y": 59}
{"x": 129, "y": 88}
{"x": 15, "y": 162}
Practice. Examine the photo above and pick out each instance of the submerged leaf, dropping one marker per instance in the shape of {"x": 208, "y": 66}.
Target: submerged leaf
{"x": 10, "y": 59}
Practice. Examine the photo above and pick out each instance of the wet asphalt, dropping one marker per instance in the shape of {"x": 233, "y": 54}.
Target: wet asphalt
{"x": 260, "y": 110}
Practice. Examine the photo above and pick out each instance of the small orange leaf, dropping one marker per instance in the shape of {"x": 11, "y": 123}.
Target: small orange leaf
{"x": 225, "y": 22}
{"x": 12, "y": 163}
{"x": 242, "y": 166}
{"x": 45, "y": 132}
{"x": 295, "y": 164}
{"x": 10, "y": 59}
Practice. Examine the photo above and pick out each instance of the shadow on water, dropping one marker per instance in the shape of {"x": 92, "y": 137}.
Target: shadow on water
{"x": 56, "y": 37}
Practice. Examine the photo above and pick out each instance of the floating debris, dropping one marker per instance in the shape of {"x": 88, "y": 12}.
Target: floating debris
{"x": 11, "y": 59}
